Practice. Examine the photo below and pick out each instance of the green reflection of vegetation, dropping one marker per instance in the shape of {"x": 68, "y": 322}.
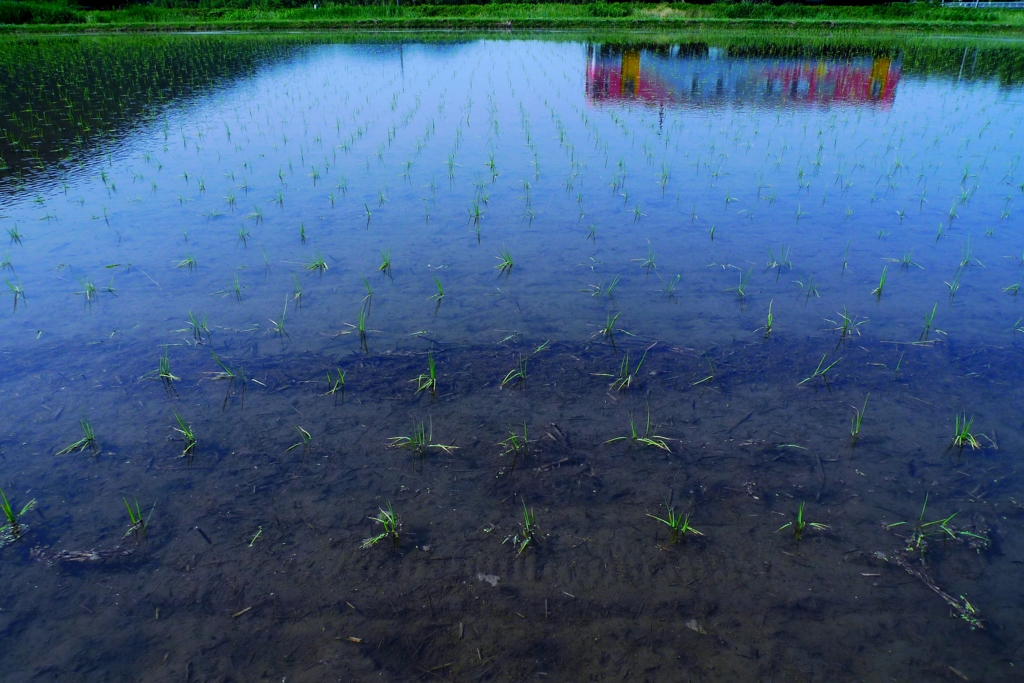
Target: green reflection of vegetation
{"x": 65, "y": 96}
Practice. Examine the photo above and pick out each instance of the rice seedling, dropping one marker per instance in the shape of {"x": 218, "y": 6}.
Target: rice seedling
{"x": 237, "y": 290}
{"x": 231, "y": 376}
{"x": 822, "y": 372}
{"x": 917, "y": 541}
{"x": 187, "y": 262}
{"x": 138, "y": 525}
{"x": 808, "y": 289}
{"x": 17, "y": 290}
{"x": 779, "y": 264}
{"x": 798, "y": 524}
{"x": 505, "y": 262}
{"x": 88, "y": 440}
{"x": 527, "y": 533}
{"x": 421, "y": 440}
{"x": 877, "y": 291}
{"x": 163, "y": 372}
{"x": 592, "y": 232}
{"x": 318, "y": 264}
{"x": 626, "y": 377}
{"x": 962, "y": 434}
{"x": 1014, "y": 289}
{"x": 954, "y": 284}
{"x": 305, "y": 439}
{"x": 439, "y": 294}
{"x": 243, "y": 237}
{"x": 769, "y": 323}
{"x": 13, "y": 517}
{"x": 88, "y": 291}
{"x": 906, "y": 262}
{"x": 847, "y": 328}
{"x": 668, "y": 288}
{"x": 187, "y": 435}
{"x": 741, "y": 288}
{"x": 6, "y": 263}
{"x": 609, "y": 327}
{"x": 858, "y": 418}
{"x": 385, "y": 264}
{"x": 516, "y": 375}
{"x": 846, "y": 260}
{"x": 678, "y": 525}
{"x": 647, "y": 263}
{"x": 516, "y": 445}
{"x": 928, "y": 320}
{"x": 428, "y": 380}
{"x": 647, "y": 439}
{"x": 604, "y": 289}
{"x": 278, "y": 325}
{"x": 390, "y": 526}
{"x": 335, "y": 384}
{"x": 296, "y": 291}
{"x": 197, "y": 327}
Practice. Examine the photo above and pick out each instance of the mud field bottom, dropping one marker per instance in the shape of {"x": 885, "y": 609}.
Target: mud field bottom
{"x": 251, "y": 568}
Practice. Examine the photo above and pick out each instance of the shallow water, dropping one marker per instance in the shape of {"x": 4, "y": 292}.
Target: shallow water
{"x": 658, "y": 201}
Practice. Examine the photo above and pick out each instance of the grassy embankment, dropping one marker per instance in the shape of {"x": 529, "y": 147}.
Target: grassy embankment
{"x": 21, "y": 16}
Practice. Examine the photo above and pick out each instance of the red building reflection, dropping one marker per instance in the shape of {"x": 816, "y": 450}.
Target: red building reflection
{"x": 703, "y": 76}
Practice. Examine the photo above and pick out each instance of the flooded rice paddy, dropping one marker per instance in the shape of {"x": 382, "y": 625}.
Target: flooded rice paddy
{"x": 538, "y": 358}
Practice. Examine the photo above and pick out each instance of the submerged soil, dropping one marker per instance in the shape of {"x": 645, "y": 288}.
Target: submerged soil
{"x": 252, "y": 567}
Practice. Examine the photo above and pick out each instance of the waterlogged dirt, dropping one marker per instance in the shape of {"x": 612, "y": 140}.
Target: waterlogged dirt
{"x": 251, "y": 567}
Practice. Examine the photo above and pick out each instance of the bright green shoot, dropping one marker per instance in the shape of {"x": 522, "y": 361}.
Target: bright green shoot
{"x": 440, "y": 292}
{"x": 138, "y": 524}
{"x": 318, "y": 264}
{"x": 11, "y": 516}
{"x": 419, "y": 441}
{"x": 647, "y": 439}
{"x": 516, "y": 375}
{"x": 799, "y": 524}
{"x": 877, "y": 291}
{"x": 336, "y": 383}
{"x": 527, "y": 531}
{"x": 858, "y": 418}
{"x": 17, "y": 290}
{"x": 505, "y": 262}
{"x": 385, "y": 262}
{"x": 962, "y": 435}
{"x": 429, "y": 380}
{"x": 390, "y": 523}
{"x": 187, "y": 262}
{"x": 928, "y": 320}
{"x": 305, "y": 439}
{"x": 647, "y": 263}
{"x": 88, "y": 440}
{"x": 769, "y": 321}
{"x": 278, "y": 325}
{"x": 516, "y": 445}
{"x": 197, "y": 327}
{"x": 821, "y": 371}
{"x": 678, "y": 525}
{"x": 187, "y": 435}
{"x": 627, "y": 377}
{"x": 741, "y": 288}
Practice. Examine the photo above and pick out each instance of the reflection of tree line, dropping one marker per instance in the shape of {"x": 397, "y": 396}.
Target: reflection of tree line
{"x": 64, "y": 97}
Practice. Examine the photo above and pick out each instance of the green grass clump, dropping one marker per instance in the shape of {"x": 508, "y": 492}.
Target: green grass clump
{"x": 390, "y": 523}
{"x": 428, "y": 381}
{"x": 516, "y": 375}
{"x": 138, "y": 525}
{"x": 799, "y": 524}
{"x": 505, "y": 262}
{"x": 678, "y": 525}
{"x": 12, "y": 517}
{"x": 527, "y": 533}
{"x": 88, "y": 440}
{"x": 420, "y": 441}
{"x": 187, "y": 435}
